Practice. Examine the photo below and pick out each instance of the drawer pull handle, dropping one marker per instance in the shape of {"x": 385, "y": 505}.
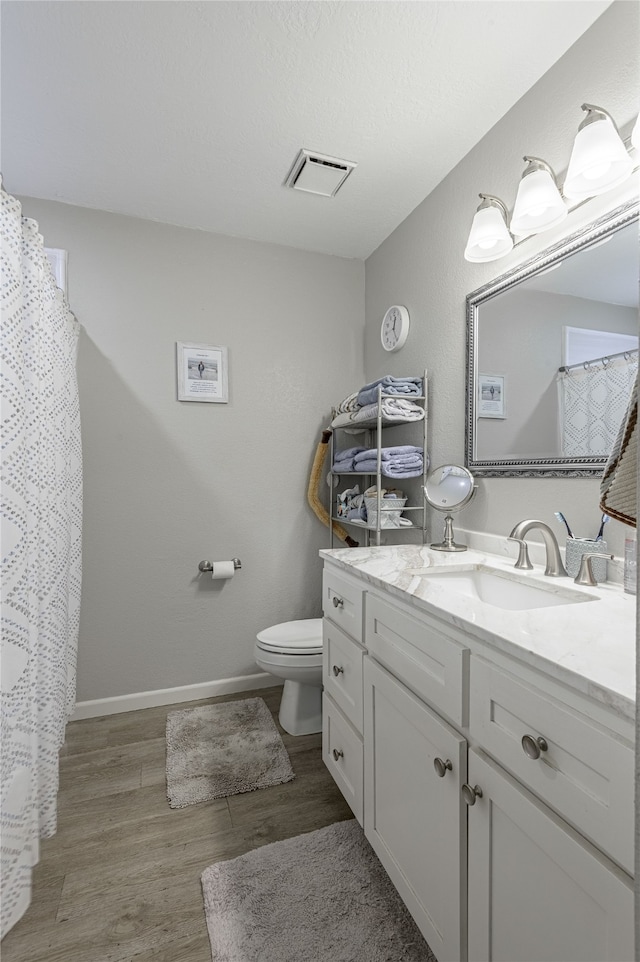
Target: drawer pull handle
{"x": 470, "y": 794}
{"x": 338, "y": 602}
{"x": 442, "y": 767}
{"x": 337, "y": 671}
{"x": 533, "y": 746}
{"x": 337, "y": 754}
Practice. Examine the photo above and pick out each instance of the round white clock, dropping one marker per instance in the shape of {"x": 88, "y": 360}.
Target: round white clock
{"x": 395, "y": 328}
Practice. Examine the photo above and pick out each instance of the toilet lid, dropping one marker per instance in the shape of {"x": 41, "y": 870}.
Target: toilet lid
{"x": 303, "y": 636}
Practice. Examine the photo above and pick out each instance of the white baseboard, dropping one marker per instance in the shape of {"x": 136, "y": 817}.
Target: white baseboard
{"x": 171, "y": 696}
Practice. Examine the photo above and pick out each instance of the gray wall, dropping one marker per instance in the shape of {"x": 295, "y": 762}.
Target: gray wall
{"x": 169, "y": 483}
{"x": 421, "y": 264}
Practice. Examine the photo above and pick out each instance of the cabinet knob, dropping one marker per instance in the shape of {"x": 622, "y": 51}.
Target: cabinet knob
{"x": 470, "y": 794}
{"x": 442, "y": 767}
{"x": 337, "y": 754}
{"x": 338, "y": 602}
{"x": 337, "y": 671}
{"x": 533, "y": 746}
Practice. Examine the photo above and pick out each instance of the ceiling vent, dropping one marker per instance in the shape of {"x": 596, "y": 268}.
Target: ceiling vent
{"x": 318, "y": 174}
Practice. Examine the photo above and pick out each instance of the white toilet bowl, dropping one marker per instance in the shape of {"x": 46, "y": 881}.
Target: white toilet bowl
{"x": 293, "y": 651}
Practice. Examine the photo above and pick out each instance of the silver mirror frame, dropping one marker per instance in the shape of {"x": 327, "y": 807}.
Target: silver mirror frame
{"x": 533, "y": 467}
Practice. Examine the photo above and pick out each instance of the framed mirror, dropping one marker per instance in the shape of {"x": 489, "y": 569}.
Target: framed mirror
{"x": 552, "y": 354}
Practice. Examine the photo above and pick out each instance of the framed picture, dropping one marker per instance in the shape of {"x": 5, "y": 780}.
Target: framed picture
{"x": 202, "y": 373}
{"x": 491, "y": 402}
{"x": 58, "y": 260}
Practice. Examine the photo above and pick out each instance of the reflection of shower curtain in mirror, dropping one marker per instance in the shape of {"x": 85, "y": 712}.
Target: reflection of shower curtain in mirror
{"x": 592, "y": 401}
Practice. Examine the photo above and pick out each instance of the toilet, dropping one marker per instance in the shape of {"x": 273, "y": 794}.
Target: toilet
{"x": 293, "y": 651}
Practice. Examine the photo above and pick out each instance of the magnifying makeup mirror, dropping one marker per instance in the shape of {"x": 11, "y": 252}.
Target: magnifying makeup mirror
{"x": 448, "y": 489}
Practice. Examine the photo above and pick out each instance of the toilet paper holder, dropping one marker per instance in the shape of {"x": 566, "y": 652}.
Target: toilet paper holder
{"x": 208, "y": 565}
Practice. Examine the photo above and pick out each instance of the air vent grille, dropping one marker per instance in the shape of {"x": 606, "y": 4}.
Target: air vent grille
{"x": 316, "y": 173}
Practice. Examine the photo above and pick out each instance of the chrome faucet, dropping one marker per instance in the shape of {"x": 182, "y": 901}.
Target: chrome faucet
{"x": 554, "y": 567}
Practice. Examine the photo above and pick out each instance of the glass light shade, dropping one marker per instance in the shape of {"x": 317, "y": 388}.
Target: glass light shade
{"x": 599, "y": 161}
{"x": 539, "y": 204}
{"x": 635, "y": 134}
{"x": 489, "y": 237}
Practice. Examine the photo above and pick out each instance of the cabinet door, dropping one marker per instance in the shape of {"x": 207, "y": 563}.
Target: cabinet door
{"x": 342, "y": 672}
{"x": 414, "y": 819}
{"x": 537, "y": 890}
{"x": 342, "y": 754}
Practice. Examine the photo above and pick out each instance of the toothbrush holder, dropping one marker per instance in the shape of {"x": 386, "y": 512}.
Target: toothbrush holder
{"x": 576, "y": 548}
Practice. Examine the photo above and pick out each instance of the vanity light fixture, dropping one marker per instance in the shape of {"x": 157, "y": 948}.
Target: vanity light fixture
{"x": 539, "y": 204}
{"x": 635, "y": 134}
{"x": 489, "y": 237}
{"x": 599, "y": 159}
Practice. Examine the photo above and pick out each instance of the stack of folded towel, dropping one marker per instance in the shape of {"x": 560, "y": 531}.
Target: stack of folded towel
{"x": 390, "y": 385}
{"x": 396, "y": 403}
{"x": 343, "y": 461}
{"x": 401, "y": 461}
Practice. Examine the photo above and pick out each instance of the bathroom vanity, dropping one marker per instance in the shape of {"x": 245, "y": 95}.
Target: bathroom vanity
{"x": 480, "y": 723}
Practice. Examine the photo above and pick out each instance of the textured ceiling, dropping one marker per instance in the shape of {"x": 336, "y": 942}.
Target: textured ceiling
{"x": 191, "y": 113}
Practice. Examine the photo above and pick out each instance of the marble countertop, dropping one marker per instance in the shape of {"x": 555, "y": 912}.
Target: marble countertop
{"x": 589, "y": 646}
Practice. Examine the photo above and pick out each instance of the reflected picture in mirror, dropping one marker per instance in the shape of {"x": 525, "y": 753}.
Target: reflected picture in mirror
{"x": 562, "y": 331}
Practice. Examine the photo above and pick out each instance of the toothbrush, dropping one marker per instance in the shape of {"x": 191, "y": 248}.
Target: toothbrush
{"x": 561, "y": 518}
{"x": 605, "y": 518}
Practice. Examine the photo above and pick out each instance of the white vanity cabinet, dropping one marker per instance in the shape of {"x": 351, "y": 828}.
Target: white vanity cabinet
{"x": 414, "y": 816}
{"x": 503, "y": 850}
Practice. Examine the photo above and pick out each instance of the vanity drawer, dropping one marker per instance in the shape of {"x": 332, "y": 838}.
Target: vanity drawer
{"x": 342, "y": 602}
{"x": 585, "y": 772}
{"x": 429, "y": 662}
{"x": 342, "y": 672}
{"x": 342, "y": 753}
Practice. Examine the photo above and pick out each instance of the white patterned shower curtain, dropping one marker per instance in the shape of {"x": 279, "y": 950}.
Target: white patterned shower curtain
{"x": 593, "y": 399}
{"x": 41, "y": 547}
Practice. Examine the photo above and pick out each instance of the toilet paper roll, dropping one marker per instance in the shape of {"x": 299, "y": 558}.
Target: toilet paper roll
{"x": 222, "y": 570}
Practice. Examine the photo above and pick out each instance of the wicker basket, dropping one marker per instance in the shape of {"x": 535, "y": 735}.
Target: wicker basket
{"x": 390, "y": 511}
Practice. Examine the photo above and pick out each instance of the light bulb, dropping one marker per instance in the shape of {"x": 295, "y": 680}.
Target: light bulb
{"x": 539, "y": 204}
{"x": 489, "y": 237}
{"x": 599, "y": 159}
{"x": 595, "y": 173}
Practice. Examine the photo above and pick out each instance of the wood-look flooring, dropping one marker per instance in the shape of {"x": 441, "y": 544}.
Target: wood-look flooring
{"x": 121, "y": 878}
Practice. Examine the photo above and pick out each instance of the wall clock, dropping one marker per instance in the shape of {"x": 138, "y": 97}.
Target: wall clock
{"x": 395, "y": 328}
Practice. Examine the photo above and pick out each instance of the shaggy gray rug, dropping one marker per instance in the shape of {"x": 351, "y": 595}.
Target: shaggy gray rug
{"x": 225, "y": 749}
{"x": 310, "y": 898}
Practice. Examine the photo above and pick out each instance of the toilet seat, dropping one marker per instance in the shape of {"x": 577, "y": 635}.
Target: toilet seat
{"x": 302, "y": 637}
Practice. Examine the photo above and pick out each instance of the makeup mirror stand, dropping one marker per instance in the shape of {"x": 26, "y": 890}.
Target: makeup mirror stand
{"x": 448, "y": 489}
{"x": 448, "y": 543}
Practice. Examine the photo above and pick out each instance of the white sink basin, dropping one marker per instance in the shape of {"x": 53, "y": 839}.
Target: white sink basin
{"x": 500, "y": 588}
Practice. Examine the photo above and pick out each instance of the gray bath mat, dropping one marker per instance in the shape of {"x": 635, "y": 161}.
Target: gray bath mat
{"x": 225, "y": 749}
{"x": 314, "y": 897}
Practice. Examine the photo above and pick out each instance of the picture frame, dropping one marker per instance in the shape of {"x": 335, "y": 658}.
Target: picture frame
{"x": 491, "y": 396}
{"x": 58, "y": 260}
{"x": 202, "y": 372}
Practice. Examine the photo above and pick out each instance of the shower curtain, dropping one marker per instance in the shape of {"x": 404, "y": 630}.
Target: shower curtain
{"x": 41, "y": 547}
{"x": 593, "y": 400}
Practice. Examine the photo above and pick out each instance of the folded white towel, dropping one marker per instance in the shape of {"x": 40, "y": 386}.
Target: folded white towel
{"x": 394, "y": 410}
{"x": 350, "y": 403}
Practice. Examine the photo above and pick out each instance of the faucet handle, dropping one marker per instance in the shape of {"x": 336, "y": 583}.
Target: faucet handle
{"x": 585, "y": 574}
{"x": 523, "y": 553}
